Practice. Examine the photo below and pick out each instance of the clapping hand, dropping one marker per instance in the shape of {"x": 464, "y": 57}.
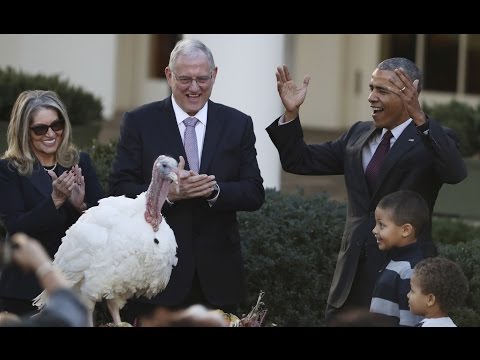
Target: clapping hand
{"x": 191, "y": 185}
{"x": 62, "y": 186}
{"x": 77, "y": 194}
{"x": 70, "y": 185}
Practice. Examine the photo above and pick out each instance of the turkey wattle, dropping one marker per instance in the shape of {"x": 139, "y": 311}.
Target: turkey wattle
{"x": 121, "y": 248}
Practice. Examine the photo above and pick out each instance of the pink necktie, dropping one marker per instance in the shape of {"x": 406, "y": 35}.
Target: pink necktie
{"x": 373, "y": 168}
{"x": 190, "y": 143}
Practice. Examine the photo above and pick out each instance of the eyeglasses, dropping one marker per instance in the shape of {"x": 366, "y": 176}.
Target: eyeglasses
{"x": 57, "y": 125}
{"x": 186, "y": 80}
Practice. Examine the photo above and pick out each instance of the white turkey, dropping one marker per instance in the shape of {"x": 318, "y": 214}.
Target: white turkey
{"x": 121, "y": 247}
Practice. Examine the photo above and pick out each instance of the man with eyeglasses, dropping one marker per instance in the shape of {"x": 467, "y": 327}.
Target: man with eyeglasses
{"x": 216, "y": 144}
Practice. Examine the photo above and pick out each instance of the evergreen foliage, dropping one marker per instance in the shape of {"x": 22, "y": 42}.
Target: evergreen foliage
{"x": 461, "y": 118}
{"x": 82, "y": 106}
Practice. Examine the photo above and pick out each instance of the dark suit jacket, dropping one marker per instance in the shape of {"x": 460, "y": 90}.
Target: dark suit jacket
{"x": 208, "y": 237}
{"x": 417, "y": 162}
{"x": 26, "y": 205}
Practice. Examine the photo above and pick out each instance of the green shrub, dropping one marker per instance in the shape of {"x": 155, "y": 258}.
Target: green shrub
{"x": 463, "y": 119}
{"x": 450, "y": 231}
{"x": 466, "y": 254}
{"x": 82, "y": 106}
{"x": 102, "y": 156}
{"x": 290, "y": 248}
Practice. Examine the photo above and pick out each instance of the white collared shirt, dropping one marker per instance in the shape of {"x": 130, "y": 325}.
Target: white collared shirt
{"x": 200, "y": 128}
{"x": 369, "y": 149}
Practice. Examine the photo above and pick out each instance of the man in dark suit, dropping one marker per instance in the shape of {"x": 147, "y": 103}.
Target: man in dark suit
{"x": 223, "y": 178}
{"x": 420, "y": 155}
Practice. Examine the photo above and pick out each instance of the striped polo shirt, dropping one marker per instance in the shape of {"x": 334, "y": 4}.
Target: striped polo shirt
{"x": 393, "y": 284}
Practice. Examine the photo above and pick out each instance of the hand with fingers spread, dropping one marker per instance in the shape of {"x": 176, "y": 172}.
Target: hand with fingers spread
{"x": 408, "y": 92}
{"x": 291, "y": 95}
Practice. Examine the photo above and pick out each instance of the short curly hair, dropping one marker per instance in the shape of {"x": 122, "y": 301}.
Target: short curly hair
{"x": 444, "y": 279}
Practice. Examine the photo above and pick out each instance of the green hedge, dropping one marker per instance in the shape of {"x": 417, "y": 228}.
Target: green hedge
{"x": 290, "y": 248}
{"x": 82, "y": 106}
{"x": 102, "y": 156}
{"x": 460, "y": 242}
{"x": 467, "y": 254}
{"x": 453, "y": 231}
{"x": 463, "y": 119}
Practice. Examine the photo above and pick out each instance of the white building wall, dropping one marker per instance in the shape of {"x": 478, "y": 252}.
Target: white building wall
{"x": 86, "y": 60}
{"x": 135, "y": 85}
{"x": 322, "y": 56}
{"x": 362, "y": 57}
{"x": 340, "y": 66}
{"x": 246, "y": 81}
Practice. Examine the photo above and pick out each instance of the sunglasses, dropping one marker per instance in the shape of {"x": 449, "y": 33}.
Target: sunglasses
{"x": 57, "y": 125}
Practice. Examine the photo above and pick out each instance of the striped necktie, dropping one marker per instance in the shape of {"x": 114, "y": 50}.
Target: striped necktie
{"x": 373, "y": 168}
{"x": 190, "y": 143}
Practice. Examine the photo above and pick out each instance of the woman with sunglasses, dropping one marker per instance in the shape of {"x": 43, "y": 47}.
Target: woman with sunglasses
{"x": 45, "y": 185}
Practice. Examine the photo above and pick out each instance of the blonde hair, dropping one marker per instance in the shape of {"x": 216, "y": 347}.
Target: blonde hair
{"x": 19, "y": 151}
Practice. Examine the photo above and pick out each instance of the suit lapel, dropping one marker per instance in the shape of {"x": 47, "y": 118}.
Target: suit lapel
{"x": 362, "y": 140}
{"x": 169, "y": 144}
{"x": 41, "y": 180}
{"x": 212, "y": 136}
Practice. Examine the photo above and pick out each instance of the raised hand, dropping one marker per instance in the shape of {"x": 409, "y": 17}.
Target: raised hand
{"x": 291, "y": 95}
{"x": 408, "y": 92}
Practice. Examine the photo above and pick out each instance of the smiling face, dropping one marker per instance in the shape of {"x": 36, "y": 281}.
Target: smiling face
{"x": 192, "y": 95}
{"x": 388, "y": 108}
{"x": 387, "y": 233}
{"x": 45, "y": 146}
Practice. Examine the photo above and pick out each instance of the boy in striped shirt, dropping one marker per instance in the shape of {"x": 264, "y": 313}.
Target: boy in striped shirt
{"x": 400, "y": 217}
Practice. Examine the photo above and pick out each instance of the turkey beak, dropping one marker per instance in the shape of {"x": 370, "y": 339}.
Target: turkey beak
{"x": 173, "y": 175}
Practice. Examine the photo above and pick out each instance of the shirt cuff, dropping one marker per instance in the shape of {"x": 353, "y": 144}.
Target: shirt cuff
{"x": 424, "y": 128}
{"x": 214, "y": 195}
{"x": 282, "y": 121}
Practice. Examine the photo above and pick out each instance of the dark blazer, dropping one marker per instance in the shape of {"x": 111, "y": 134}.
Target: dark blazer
{"x": 208, "y": 237}
{"x": 417, "y": 162}
{"x": 26, "y": 205}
